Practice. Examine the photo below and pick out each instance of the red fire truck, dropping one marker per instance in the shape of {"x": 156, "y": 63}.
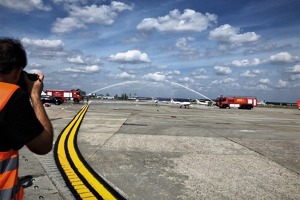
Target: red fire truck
{"x": 236, "y": 102}
{"x": 74, "y": 95}
{"x": 298, "y": 104}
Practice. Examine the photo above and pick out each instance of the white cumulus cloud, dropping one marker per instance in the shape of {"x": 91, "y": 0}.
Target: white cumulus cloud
{"x": 252, "y": 73}
{"x": 131, "y": 56}
{"x": 294, "y": 73}
{"x": 77, "y": 59}
{"x": 157, "y": 76}
{"x": 188, "y": 21}
{"x": 125, "y": 75}
{"x": 283, "y": 57}
{"x": 49, "y": 44}
{"x": 222, "y": 70}
{"x": 295, "y": 68}
{"x": 264, "y": 81}
{"x": 227, "y": 34}
{"x": 86, "y": 69}
{"x": 63, "y": 25}
{"x": 186, "y": 80}
{"x": 25, "y": 5}
{"x": 248, "y": 74}
{"x": 246, "y": 62}
{"x": 80, "y": 17}
{"x": 229, "y": 82}
{"x": 281, "y": 84}
{"x": 44, "y": 48}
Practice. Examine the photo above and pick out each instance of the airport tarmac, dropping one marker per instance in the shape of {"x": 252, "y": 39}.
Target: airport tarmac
{"x": 148, "y": 151}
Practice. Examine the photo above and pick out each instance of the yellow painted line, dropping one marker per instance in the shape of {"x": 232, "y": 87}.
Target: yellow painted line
{"x": 68, "y": 159}
{"x": 82, "y": 169}
{"x": 70, "y": 173}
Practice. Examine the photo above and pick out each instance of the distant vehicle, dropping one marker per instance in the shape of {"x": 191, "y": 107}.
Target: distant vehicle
{"x": 236, "y": 102}
{"x": 298, "y": 103}
{"x": 185, "y": 104}
{"x": 50, "y": 99}
{"x": 73, "y": 95}
{"x": 59, "y": 98}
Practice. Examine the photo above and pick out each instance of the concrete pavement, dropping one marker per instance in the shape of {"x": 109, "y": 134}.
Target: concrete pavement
{"x": 164, "y": 152}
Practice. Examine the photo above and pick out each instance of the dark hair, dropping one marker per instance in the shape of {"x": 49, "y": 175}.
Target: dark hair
{"x": 12, "y": 55}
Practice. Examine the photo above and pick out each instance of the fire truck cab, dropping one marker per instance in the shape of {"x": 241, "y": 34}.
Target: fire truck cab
{"x": 236, "y": 102}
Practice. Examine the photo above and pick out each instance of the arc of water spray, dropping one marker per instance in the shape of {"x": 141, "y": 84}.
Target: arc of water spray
{"x": 191, "y": 90}
{"x": 126, "y": 82}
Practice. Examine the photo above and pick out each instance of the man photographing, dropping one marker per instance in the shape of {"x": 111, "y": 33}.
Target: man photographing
{"x": 22, "y": 122}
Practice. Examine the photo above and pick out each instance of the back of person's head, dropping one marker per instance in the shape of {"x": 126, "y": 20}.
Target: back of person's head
{"x": 12, "y": 55}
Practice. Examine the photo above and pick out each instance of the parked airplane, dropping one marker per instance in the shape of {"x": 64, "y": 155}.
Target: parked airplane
{"x": 145, "y": 99}
{"x": 263, "y": 103}
{"x": 206, "y": 103}
{"x": 184, "y": 104}
{"x": 163, "y": 100}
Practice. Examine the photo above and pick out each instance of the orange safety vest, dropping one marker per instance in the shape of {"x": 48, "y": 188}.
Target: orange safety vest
{"x": 10, "y": 186}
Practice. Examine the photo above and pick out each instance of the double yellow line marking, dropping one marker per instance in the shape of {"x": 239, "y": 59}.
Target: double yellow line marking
{"x": 81, "y": 179}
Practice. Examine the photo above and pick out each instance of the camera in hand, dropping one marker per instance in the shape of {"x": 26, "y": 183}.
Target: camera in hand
{"x": 21, "y": 82}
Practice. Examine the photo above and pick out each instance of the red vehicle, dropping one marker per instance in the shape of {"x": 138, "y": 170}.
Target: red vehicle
{"x": 75, "y": 95}
{"x": 298, "y": 103}
{"x": 236, "y": 102}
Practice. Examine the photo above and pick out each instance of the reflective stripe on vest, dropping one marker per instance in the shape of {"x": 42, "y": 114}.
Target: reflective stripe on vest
{"x": 10, "y": 186}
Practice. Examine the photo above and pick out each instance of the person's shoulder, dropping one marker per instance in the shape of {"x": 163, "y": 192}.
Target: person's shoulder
{"x": 19, "y": 100}
{"x": 19, "y": 93}
{"x": 18, "y": 97}
{"x": 17, "y": 90}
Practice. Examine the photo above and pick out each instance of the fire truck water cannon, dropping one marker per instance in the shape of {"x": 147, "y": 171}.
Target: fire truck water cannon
{"x": 236, "y": 102}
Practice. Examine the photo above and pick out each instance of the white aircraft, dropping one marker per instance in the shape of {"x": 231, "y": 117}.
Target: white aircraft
{"x": 184, "y": 104}
{"x": 202, "y": 102}
{"x": 263, "y": 103}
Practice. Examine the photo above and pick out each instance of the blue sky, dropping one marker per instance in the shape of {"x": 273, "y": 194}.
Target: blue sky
{"x": 161, "y": 48}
